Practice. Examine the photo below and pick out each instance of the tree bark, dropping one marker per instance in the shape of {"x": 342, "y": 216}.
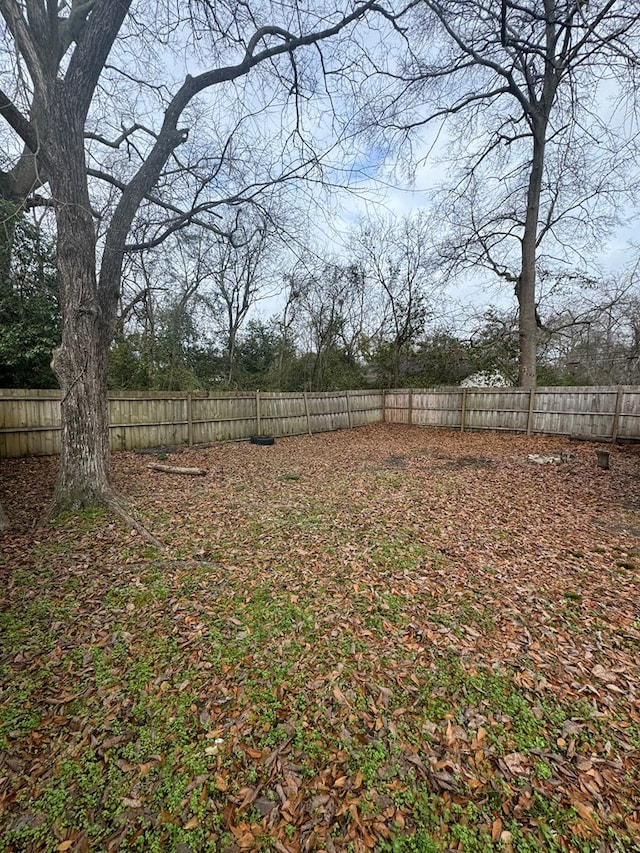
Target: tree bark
{"x": 84, "y": 477}
{"x": 526, "y": 286}
{"x": 80, "y": 363}
{"x": 538, "y": 112}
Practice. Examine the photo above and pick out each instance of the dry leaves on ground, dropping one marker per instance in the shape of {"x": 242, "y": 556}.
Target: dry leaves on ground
{"x": 384, "y": 639}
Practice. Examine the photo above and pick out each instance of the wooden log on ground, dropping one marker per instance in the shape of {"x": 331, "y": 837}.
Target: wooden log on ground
{"x": 172, "y": 469}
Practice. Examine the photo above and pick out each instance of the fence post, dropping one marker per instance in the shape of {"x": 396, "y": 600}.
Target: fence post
{"x": 306, "y": 411}
{"x": 189, "y": 419}
{"x": 463, "y": 409}
{"x": 349, "y": 414}
{"x": 384, "y": 406}
{"x": 530, "y": 413}
{"x": 258, "y": 413}
{"x": 410, "y": 414}
{"x": 616, "y": 415}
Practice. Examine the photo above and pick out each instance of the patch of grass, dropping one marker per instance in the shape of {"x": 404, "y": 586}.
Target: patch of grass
{"x": 520, "y": 721}
{"x": 439, "y": 824}
{"x": 314, "y": 746}
{"x": 85, "y": 519}
{"x": 35, "y": 624}
{"x": 374, "y": 760}
{"x": 21, "y": 714}
{"x": 419, "y": 842}
{"x": 137, "y": 595}
{"x": 570, "y": 595}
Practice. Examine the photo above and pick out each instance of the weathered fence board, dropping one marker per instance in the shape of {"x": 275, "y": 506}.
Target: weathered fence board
{"x": 30, "y": 420}
{"x": 598, "y": 413}
{"x": 629, "y": 414}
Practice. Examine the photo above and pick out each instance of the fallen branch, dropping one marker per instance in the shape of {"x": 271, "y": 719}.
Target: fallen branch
{"x": 171, "y": 469}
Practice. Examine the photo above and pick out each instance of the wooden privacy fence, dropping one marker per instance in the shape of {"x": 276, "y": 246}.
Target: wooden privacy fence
{"x": 30, "y": 420}
{"x": 597, "y": 413}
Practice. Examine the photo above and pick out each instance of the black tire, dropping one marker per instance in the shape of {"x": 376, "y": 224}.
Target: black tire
{"x": 262, "y": 439}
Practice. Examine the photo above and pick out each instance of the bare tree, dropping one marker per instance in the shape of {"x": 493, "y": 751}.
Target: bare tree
{"x": 203, "y": 284}
{"x": 525, "y": 84}
{"x": 594, "y": 338}
{"x": 285, "y": 323}
{"x": 321, "y": 300}
{"x": 239, "y": 272}
{"x": 398, "y": 261}
{"x": 69, "y": 61}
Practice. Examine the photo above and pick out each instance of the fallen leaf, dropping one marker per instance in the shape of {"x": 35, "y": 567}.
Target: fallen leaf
{"x": 221, "y": 782}
{"x": 603, "y": 674}
{"x": 496, "y": 830}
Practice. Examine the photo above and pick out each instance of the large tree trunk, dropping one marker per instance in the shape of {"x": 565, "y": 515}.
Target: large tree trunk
{"x": 539, "y": 114}
{"x": 80, "y": 362}
{"x": 526, "y": 287}
{"x": 84, "y": 474}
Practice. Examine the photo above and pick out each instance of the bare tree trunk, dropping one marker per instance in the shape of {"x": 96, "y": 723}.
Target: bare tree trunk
{"x": 84, "y": 474}
{"x": 231, "y": 352}
{"x": 80, "y": 362}
{"x": 526, "y": 287}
